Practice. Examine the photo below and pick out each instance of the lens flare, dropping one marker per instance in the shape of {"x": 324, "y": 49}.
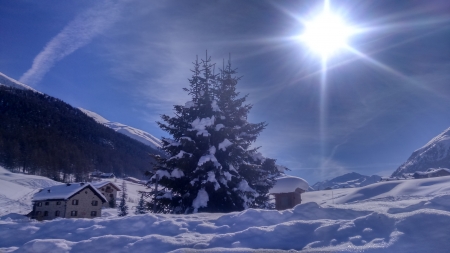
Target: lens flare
{"x": 326, "y": 34}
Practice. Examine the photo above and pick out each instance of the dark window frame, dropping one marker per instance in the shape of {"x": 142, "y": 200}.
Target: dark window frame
{"x": 74, "y": 213}
{"x": 75, "y": 202}
{"x": 57, "y": 213}
{"x": 93, "y": 213}
{"x": 94, "y": 203}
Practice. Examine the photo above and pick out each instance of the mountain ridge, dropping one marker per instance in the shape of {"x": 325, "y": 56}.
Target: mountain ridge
{"x": 43, "y": 135}
{"x": 134, "y": 133}
{"x": 349, "y": 180}
{"x": 434, "y": 154}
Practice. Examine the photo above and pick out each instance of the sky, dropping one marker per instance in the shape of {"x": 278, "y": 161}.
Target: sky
{"x": 382, "y": 97}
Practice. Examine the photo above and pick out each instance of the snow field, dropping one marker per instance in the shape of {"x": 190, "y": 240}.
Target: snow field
{"x": 394, "y": 216}
{"x": 306, "y": 227}
{"x": 16, "y": 191}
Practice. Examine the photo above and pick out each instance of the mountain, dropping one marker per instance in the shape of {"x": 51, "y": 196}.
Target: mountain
{"x": 349, "y": 180}
{"x": 131, "y": 132}
{"x": 435, "y": 154}
{"x": 43, "y": 135}
{"x": 8, "y": 81}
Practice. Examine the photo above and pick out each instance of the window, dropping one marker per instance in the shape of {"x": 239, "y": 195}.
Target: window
{"x": 111, "y": 196}
{"x": 58, "y": 203}
{"x": 39, "y": 204}
{"x": 57, "y": 213}
{"x": 38, "y": 213}
{"x": 94, "y": 202}
{"x": 94, "y": 213}
{"x": 75, "y": 202}
{"x": 73, "y": 213}
{"x": 45, "y": 213}
{"x": 47, "y": 203}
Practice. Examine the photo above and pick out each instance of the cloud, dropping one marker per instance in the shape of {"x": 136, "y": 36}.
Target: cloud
{"x": 78, "y": 33}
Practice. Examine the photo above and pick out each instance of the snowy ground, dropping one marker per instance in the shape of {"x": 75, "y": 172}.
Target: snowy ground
{"x": 396, "y": 216}
{"x": 16, "y": 191}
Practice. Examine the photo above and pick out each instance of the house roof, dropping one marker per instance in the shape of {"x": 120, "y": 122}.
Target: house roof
{"x": 289, "y": 184}
{"x": 100, "y": 184}
{"x": 64, "y": 191}
{"x": 107, "y": 174}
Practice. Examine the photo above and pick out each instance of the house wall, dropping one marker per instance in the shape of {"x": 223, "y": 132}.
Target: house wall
{"x": 109, "y": 192}
{"x": 51, "y": 208}
{"x": 84, "y": 207}
{"x": 285, "y": 201}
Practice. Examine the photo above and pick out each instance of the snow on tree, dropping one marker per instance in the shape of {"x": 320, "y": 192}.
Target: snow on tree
{"x": 123, "y": 207}
{"x": 141, "y": 208}
{"x": 211, "y": 166}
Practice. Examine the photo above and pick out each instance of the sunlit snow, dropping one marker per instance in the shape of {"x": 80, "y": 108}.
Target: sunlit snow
{"x": 395, "y": 216}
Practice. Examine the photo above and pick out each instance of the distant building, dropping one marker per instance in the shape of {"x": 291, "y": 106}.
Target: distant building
{"x": 107, "y": 175}
{"x": 135, "y": 180}
{"x": 109, "y": 191}
{"x": 76, "y": 200}
{"x": 102, "y": 175}
{"x": 287, "y": 191}
{"x": 440, "y": 172}
{"x": 96, "y": 173}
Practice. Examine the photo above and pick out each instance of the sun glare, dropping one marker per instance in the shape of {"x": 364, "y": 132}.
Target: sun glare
{"x": 326, "y": 34}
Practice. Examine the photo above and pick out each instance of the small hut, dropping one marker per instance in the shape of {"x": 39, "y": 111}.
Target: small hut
{"x": 287, "y": 191}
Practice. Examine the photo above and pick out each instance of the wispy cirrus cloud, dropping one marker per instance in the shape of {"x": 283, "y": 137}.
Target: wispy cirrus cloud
{"x": 78, "y": 33}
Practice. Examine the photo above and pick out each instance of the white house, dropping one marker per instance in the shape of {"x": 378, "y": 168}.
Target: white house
{"x": 75, "y": 200}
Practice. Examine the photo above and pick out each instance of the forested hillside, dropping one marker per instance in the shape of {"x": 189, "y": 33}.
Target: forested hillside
{"x": 43, "y": 135}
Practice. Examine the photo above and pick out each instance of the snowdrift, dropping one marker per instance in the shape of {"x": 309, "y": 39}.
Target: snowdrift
{"x": 16, "y": 191}
{"x": 395, "y": 216}
{"x": 307, "y": 227}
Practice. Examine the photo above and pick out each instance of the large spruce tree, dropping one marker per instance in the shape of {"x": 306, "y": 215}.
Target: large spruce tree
{"x": 211, "y": 166}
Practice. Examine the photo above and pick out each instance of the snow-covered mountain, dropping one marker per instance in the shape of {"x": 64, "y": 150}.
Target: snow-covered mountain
{"x": 435, "y": 154}
{"x": 131, "y": 132}
{"x": 8, "y": 81}
{"x": 349, "y": 180}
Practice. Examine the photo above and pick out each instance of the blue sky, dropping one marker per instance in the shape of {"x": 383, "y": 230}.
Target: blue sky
{"x": 129, "y": 60}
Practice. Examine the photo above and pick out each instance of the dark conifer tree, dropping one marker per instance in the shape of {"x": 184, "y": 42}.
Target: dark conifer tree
{"x": 210, "y": 165}
{"x": 123, "y": 207}
{"x": 258, "y": 171}
{"x": 141, "y": 207}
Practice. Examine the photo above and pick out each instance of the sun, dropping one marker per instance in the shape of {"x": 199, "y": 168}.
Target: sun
{"x": 326, "y": 34}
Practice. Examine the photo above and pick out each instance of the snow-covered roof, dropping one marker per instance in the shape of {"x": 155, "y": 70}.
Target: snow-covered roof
{"x": 103, "y": 183}
{"x": 107, "y": 174}
{"x": 64, "y": 191}
{"x": 289, "y": 184}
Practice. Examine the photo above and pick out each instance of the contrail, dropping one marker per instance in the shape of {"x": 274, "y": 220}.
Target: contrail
{"x": 78, "y": 33}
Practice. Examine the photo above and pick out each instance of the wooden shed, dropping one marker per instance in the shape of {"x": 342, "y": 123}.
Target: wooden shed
{"x": 287, "y": 192}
